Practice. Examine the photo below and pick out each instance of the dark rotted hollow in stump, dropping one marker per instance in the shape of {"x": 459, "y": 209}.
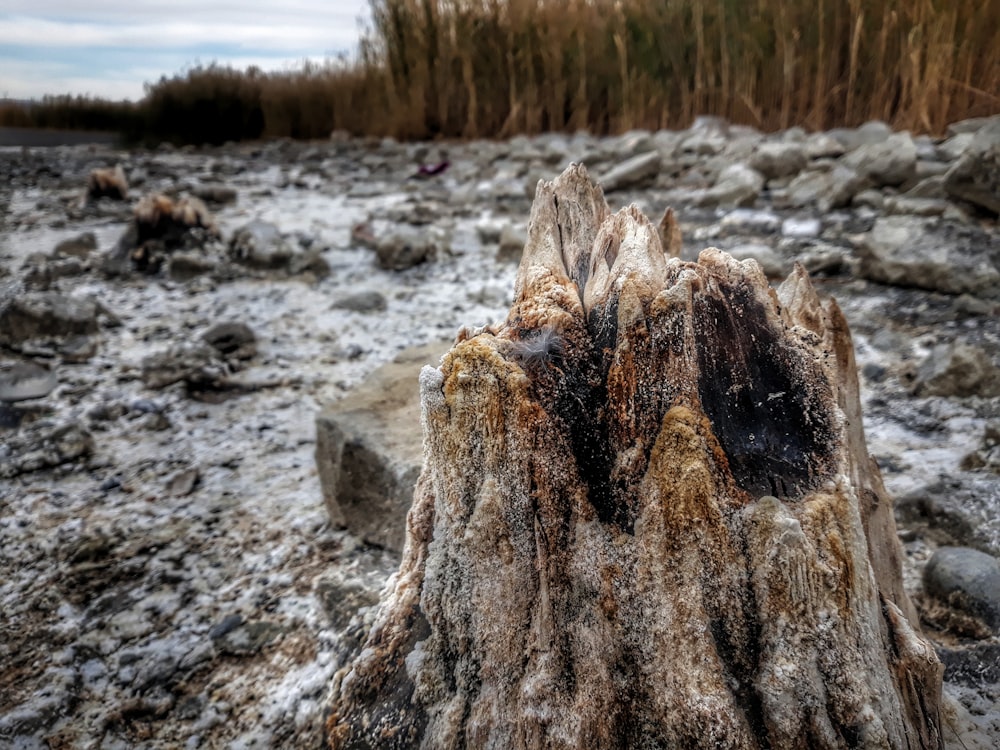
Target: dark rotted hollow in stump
{"x": 647, "y": 518}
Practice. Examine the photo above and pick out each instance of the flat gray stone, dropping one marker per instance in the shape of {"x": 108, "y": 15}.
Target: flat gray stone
{"x": 25, "y": 380}
{"x": 975, "y": 177}
{"x": 46, "y": 315}
{"x": 957, "y": 369}
{"x": 632, "y": 172}
{"x": 825, "y": 188}
{"x": 779, "y": 159}
{"x": 889, "y": 162}
{"x": 966, "y": 579}
{"x": 931, "y": 254}
{"x": 369, "y": 449}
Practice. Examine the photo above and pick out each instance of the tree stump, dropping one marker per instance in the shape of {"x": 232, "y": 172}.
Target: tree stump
{"x": 647, "y": 518}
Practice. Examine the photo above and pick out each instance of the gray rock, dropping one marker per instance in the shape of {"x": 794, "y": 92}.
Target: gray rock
{"x": 778, "y": 159}
{"x": 821, "y": 145}
{"x": 43, "y": 446}
{"x": 633, "y": 143}
{"x": 971, "y": 125}
{"x": 825, "y": 188}
{"x": 400, "y": 251}
{"x": 45, "y": 315}
{"x": 42, "y": 272}
{"x": 954, "y": 147}
{"x": 889, "y": 162}
{"x": 21, "y": 381}
{"x": 929, "y": 187}
{"x": 870, "y": 198}
{"x": 907, "y": 206}
{"x": 801, "y": 227}
{"x": 362, "y": 302}
{"x": 342, "y": 599}
{"x": 220, "y": 195}
{"x": 232, "y": 340}
{"x": 826, "y": 259}
{"x": 927, "y": 168}
{"x": 874, "y": 131}
{"x": 190, "y": 362}
{"x": 369, "y": 450}
{"x": 632, "y": 172}
{"x": 742, "y": 220}
{"x": 966, "y": 579}
{"x": 260, "y": 244}
{"x": 957, "y": 369}
{"x": 706, "y": 137}
{"x": 772, "y": 264}
{"x": 488, "y": 230}
{"x": 511, "y": 244}
{"x": 975, "y": 177}
{"x": 957, "y": 510}
{"x": 931, "y": 254}
{"x": 80, "y": 246}
{"x": 187, "y": 265}
{"x": 737, "y": 185}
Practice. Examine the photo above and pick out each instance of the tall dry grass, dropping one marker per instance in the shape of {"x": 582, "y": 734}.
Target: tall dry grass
{"x": 487, "y": 68}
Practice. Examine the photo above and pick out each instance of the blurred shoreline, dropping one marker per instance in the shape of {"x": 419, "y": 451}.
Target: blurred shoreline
{"x": 42, "y": 137}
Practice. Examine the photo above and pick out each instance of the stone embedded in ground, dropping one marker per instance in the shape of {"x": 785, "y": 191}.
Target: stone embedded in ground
{"x": 932, "y": 254}
{"x": 511, "y": 244}
{"x": 647, "y": 517}
{"x": 194, "y": 363}
{"x": 46, "y": 315}
{"x": 975, "y": 177}
{"x": 967, "y": 579}
{"x": 220, "y": 195}
{"x": 260, "y": 244}
{"x": 76, "y": 247}
{"x": 957, "y": 369}
{"x": 402, "y": 250}
{"x": 42, "y": 446}
{"x": 957, "y": 510}
{"x": 770, "y": 262}
{"x": 632, "y": 172}
{"x": 232, "y": 340}
{"x": 22, "y": 381}
{"x": 779, "y": 159}
{"x": 368, "y": 450}
{"x": 828, "y": 188}
{"x": 737, "y": 185}
{"x": 889, "y": 162}
{"x": 362, "y": 302}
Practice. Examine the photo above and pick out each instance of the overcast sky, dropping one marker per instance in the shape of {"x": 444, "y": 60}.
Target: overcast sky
{"x": 109, "y": 48}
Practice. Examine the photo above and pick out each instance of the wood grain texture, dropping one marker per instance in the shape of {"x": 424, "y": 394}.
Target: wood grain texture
{"x": 647, "y": 518}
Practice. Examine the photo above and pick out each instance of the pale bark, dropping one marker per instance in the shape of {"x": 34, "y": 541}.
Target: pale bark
{"x": 647, "y": 518}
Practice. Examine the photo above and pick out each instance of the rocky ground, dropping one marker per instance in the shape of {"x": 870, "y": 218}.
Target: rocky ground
{"x": 169, "y": 576}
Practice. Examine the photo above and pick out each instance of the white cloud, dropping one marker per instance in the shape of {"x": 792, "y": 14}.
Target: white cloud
{"x": 111, "y": 47}
{"x": 24, "y": 80}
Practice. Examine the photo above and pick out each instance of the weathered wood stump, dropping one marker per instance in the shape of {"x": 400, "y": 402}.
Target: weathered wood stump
{"x": 647, "y": 518}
